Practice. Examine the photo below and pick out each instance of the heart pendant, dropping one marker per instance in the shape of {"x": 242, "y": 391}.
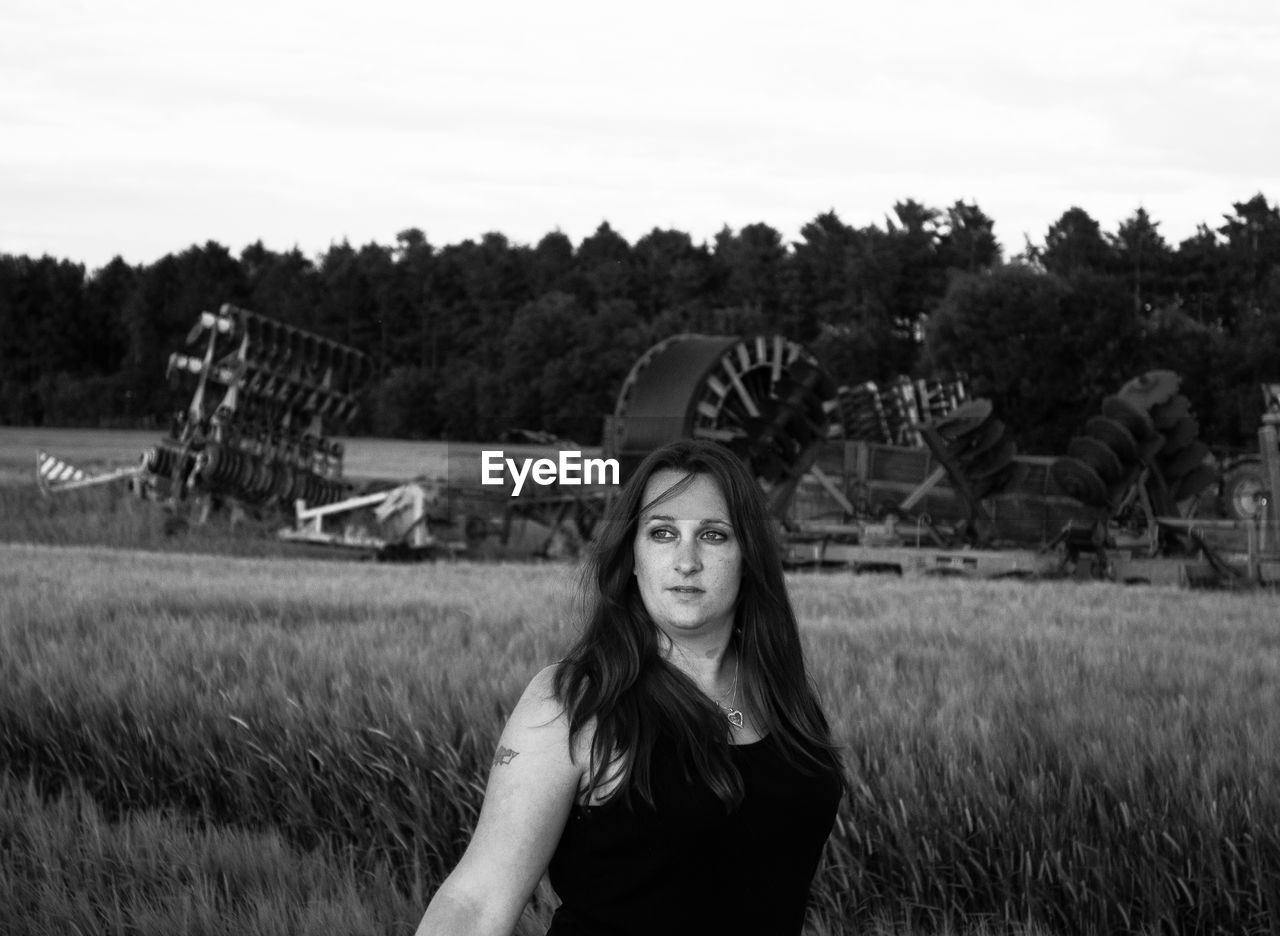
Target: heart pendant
{"x": 735, "y": 717}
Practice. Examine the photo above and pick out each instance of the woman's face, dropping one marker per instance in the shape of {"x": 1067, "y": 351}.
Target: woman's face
{"x": 688, "y": 561}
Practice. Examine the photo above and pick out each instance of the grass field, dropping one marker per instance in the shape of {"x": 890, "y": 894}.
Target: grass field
{"x": 199, "y": 734}
{"x": 193, "y": 739}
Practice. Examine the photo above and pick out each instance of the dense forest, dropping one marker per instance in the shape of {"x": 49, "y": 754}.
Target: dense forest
{"x": 475, "y": 338}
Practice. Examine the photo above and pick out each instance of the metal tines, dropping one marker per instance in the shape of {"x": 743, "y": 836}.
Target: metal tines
{"x": 862, "y": 413}
{"x": 889, "y": 414}
{"x": 268, "y": 395}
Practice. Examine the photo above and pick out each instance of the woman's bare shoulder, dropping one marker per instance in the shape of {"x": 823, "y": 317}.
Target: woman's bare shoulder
{"x": 541, "y": 704}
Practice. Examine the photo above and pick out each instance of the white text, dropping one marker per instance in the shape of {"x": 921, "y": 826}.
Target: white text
{"x": 568, "y": 468}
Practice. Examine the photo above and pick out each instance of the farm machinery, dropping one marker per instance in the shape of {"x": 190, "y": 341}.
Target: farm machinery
{"x": 266, "y": 401}
{"x": 909, "y": 476}
{"x": 916, "y": 476}
{"x": 259, "y": 440}
{"x": 257, "y": 437}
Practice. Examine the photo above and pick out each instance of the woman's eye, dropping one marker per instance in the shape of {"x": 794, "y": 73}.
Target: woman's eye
{"x": 667, "y": 534}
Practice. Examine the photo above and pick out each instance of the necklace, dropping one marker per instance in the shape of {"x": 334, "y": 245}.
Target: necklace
{"x": 734, "y": 715}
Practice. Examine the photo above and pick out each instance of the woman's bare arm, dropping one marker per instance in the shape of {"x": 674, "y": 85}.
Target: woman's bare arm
{"x": 532, "y": 785}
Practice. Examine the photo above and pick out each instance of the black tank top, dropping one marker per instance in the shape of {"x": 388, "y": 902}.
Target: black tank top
{"x": 689, "y": 866}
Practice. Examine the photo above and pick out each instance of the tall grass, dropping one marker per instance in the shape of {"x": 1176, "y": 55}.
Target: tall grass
{"x": 1095, "y": 758}
{"x": 111, "y": 516}
{"x": 1045, "y": 758}
{"x": 68, "y": 869}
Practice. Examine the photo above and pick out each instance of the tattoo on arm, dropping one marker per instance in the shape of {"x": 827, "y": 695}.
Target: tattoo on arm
{"x": 504, "y": 756}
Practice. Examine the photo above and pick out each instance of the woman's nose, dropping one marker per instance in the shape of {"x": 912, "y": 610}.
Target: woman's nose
{"x": 687, "y": 557}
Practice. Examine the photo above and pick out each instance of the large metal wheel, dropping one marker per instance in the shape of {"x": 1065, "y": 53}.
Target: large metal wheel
{"x": 766, "y": 398}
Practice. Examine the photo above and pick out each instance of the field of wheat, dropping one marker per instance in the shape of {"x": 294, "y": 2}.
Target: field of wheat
{"x": 201, "y": 733}
{"x": 213, "y": 743}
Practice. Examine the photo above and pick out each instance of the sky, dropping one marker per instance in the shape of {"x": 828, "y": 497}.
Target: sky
{"x": 140, "y": 127}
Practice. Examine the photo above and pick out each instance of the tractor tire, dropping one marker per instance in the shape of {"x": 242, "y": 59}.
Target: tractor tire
{"x": 1244, "y": 491}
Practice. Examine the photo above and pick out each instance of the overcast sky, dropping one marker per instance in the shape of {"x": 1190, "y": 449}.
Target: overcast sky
{"x": 139, "y": 127}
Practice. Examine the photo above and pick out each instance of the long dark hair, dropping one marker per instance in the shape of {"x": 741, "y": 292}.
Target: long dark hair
{"x": 615, "y": 674}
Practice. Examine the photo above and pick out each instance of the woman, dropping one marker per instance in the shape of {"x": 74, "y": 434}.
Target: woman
{"x": 674, "y": 773}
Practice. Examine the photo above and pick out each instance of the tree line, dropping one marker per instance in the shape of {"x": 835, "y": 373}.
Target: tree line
{"x": 473, "y": 339}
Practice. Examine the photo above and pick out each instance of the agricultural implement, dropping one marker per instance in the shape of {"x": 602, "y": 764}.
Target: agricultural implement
{"x": 915, "y": 476}
{"x": 257, "y": 437}
{"x": 765, "y": 398}
{"x": 911, "y": 476}
{"x": 267, "y": 399}
{"x": 1133, "y": 500}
